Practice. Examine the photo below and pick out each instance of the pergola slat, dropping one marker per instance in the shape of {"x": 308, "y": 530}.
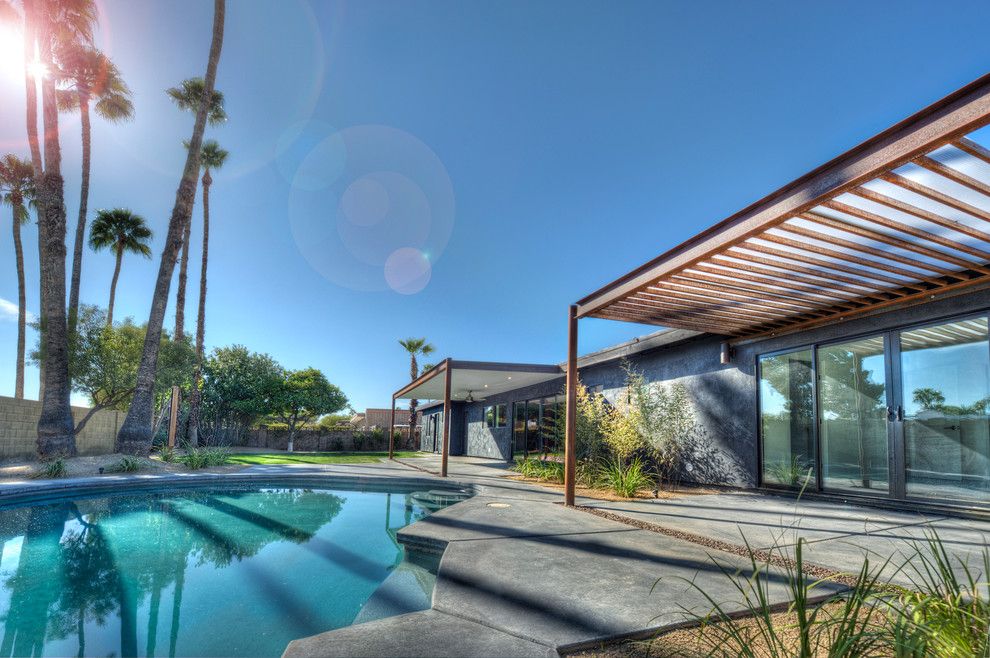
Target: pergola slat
{"x": 974, "y": 149}
{"x": 921, "y": 213}
{"x": 955, "y": 176}
{"x": 850, "y": 258}
{"x": 728, "y": 311}
{"x": 770, "y": 277}
{"x": 748, "y": 285}
{"x": 935, "y": 195}
{"x": 834, "y": 279}
{"x": 893, "y": 241}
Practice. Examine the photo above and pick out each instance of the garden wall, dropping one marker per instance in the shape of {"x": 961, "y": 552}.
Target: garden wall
{"x": 19, "y": 429}
{"x": 325, "y": 440}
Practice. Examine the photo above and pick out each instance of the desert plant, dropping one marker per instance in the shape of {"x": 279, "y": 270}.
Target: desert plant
{"x": 625, "y": 479}
{"x": 197, "y": 458}
{"x": 51, "y": 469}
{"x": 167, "y": 454}
{"x": 538, "y": 469}
{"x": 845, "y": 625}
{"x": 945, "y": 613}
{"x": 125, "y": 465}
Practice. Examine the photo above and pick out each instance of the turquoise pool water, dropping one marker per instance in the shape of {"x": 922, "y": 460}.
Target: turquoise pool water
{"x": 204, "y": 572}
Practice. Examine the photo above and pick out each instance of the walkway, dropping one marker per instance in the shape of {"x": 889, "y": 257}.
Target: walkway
{"x": 522, "y": 575}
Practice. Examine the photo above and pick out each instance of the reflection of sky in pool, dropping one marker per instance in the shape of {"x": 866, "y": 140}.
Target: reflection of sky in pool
{"x": 197, "y": 573}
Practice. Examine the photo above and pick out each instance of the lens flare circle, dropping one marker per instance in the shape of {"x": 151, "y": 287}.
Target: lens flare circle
{"x": 407, "y": 271}
{"x": 366, "y": 206}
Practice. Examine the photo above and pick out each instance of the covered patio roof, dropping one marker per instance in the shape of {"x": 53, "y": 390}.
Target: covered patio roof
{"x": 479, "y": 379}
{"x": 902, "y": 218}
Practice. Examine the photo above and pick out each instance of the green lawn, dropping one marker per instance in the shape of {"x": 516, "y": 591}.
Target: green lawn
{"x": 313, "y": 457}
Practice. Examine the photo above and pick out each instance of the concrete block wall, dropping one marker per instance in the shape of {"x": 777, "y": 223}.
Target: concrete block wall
{"x": 19, "y": 429}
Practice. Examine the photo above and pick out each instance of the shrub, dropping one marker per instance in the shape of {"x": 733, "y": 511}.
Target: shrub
{"x": 125, "y": 465}
{"x": 196, "y": 458}
{"x": 167, "y": 454}
{"x": 625, "y": 479}
{"x": 537, "y": 469}
{"x": 52, "y": 469}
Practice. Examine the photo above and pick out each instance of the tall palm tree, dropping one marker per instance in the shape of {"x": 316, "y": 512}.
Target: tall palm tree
{"x": 212, "y": 157}
{"x": 134, "y": 436}
{"x": 85, "y": 74}
{"x": 17, "y": 191}
{"x": 186, "y": 97}
{"x": 415, "y": 346}
{"x": 47, "y": 24}
{"x": 119, "y": 230}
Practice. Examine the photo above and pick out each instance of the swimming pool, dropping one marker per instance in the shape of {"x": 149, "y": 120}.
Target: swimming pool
{"x": 231, "y": 571}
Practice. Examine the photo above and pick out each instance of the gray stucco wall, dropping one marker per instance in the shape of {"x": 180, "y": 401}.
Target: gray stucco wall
{"x": 724, "y": 396}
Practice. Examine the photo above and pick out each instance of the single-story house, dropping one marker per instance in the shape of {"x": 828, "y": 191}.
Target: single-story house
{"x": 832, "y": 336}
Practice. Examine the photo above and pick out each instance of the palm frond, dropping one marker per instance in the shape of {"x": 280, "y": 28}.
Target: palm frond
{"x": 115, "y": 108}
{"x": 213, "y": 156}
{"x": 120, "y": 228}
{"x": 188, "y": 95}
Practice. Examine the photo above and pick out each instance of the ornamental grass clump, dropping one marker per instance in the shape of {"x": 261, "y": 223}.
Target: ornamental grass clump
{"x": 125, "y": 465}
{"x": 943, "y": 613}
{"x": 626, "y": 479}
{"x": 197, "y": 458}
{"x": 538, "y": 469}
{"x": 52, "y": 469}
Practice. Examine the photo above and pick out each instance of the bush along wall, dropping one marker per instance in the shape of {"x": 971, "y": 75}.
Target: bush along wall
{"x": 321, "y": 440}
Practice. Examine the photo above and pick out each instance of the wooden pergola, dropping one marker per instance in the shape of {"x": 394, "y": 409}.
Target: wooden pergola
{"x": 901, "y": 219}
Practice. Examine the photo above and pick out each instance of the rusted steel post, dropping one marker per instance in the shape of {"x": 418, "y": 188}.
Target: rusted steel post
{"x": 173, "y": 417}
{"x": 391, "y": 429}
{"x": 446, "y": 420}
{"x": 570, "y": 461}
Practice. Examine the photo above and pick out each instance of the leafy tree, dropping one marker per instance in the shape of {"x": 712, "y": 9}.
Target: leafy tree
{"x": 135, "y": 434}
{"x": 213, "y": 158}
{"x": 301, "y": 396}
{"x": 186, "y": 97}
{"x": 414, "y": 347}
{"x": 17, "y": 191}
{"x": 119, "y": 230}
{"x": 236, "y": 390}
{"x": 104, "y": 361}
{"x": 85, "y": 74}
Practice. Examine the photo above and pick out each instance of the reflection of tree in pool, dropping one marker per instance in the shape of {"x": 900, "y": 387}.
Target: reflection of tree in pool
{"x": 33, "y": 587}
{"x": 126, "y": 548}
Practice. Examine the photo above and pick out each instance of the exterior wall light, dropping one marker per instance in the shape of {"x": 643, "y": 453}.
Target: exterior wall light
{"x": 726, "y": 353}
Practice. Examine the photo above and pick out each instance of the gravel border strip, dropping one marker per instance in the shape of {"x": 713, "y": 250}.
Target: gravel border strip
{"x": 766, "y": 557}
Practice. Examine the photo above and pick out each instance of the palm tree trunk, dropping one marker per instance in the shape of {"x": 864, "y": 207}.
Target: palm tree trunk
{"x": 413, "y": 374}
{"x": 194, "y": 396}
{"x": 21, "y": 303}
{"x": 77, "y": 248}
{"x": 180, "y": 294}
{"x": 31, "y": 116}
{"x": 134, "y": 436}
{"x": 113, "y": 283}
{"x": 55, "y": 426}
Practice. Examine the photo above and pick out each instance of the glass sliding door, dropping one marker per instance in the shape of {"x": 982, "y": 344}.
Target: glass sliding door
{"x": 945, "y": 375}
{"x": 519, "y": 428}
{"x": 787, "y": 417}
{"x": 852, "y": 409}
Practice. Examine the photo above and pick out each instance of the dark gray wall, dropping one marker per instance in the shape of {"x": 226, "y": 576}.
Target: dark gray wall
{"x": 724, "y": 396}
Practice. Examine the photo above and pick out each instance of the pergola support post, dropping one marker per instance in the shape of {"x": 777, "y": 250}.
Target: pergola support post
{"x": 570, "y": 428}
{"x": 391, "y": 430}
{"x": 446, "y": 419}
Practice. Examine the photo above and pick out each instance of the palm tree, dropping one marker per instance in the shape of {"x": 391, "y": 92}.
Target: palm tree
{"x": 186, "y": 97}
{"x": 85, "y": 74}
{"x": 134, "y": 436}
{"x": 119, "y": 230}
{"x": 212, "y": 157}
{"x": 415, "y": 346}
{"x": 48, "y": 24}
{"x": 17, "y": 191}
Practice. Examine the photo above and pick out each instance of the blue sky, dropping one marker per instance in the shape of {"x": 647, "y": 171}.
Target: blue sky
{"x": 529, "y": 152}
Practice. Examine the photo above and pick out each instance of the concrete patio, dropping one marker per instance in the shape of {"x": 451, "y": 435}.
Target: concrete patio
{"x": 523, "y": 575}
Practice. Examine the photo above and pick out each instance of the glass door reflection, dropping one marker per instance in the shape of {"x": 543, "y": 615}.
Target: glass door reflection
{"x": 945, "y": 370}
{"x": 852, "y": 402}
